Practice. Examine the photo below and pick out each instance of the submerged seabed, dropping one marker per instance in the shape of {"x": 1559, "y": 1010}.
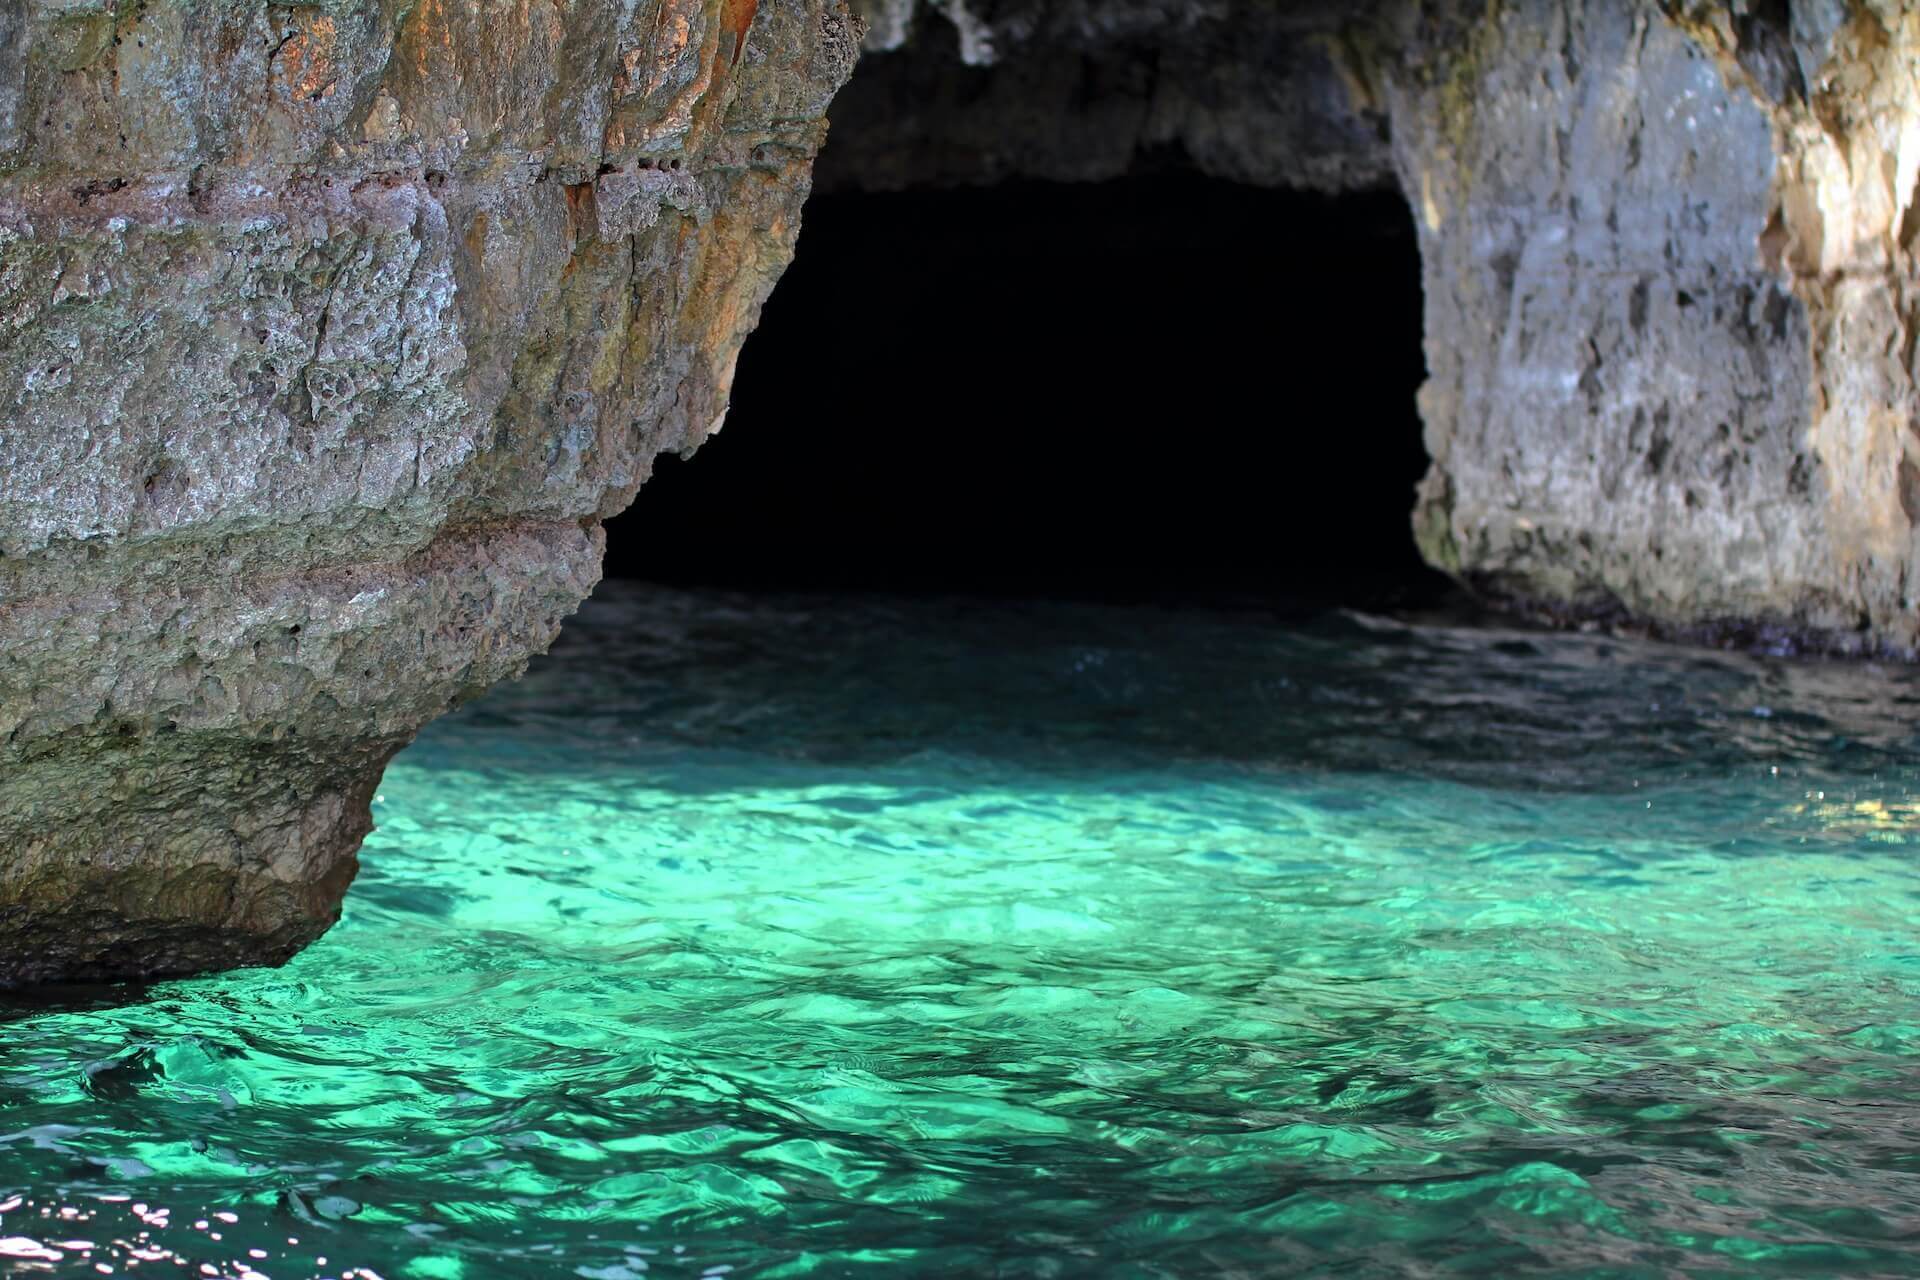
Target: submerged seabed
{"x": 823, "y": 938}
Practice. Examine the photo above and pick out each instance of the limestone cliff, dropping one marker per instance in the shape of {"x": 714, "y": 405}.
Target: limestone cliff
{"x": 328, "y": 333}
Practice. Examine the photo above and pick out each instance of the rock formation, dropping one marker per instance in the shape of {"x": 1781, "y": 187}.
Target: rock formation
{"x": 328, "y": 333}
{"x": 1668, "y": 257}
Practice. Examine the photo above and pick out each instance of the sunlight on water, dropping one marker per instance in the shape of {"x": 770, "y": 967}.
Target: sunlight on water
{"x": 822, "y": 938}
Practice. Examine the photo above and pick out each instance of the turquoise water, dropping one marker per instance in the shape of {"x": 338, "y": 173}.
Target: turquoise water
{"x": 830, "y": 938}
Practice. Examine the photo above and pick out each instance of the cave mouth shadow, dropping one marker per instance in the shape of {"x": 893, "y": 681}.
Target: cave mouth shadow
{"x": 1164, "y": 387}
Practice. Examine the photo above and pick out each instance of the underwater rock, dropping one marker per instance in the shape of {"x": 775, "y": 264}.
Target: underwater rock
{"x": 1668, "y": 258}
{"x": 328, "y": 335}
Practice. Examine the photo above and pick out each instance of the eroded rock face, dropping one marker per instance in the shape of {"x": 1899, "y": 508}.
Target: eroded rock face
{"x": 1668, "y": 258}
{"x": 1618, "y": 387}
{"x": 328, "y": 333}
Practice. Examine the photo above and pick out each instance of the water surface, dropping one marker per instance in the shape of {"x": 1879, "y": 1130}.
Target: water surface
{"x": 830, "y": 937}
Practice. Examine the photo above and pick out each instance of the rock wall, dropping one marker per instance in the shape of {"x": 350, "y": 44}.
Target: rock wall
{"x": 1618, "y": 386}
{"x": 1668, "y": 258}
{"x": 328, "y": 333}
{"x": 1667, "y": 261}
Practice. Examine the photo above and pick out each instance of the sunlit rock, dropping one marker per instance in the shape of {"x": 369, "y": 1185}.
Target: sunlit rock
{"x": 328, "y": 333}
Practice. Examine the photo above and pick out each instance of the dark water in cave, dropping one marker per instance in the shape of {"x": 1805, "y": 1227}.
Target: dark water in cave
{"x": 790, "y": 936}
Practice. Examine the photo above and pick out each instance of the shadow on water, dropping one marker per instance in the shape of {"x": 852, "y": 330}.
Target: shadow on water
{"x": 1087, "y": 687}
{"x": 73, "y": 997}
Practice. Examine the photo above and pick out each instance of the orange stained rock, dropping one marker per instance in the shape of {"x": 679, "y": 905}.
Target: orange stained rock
{"x": 735, "y": 17}
{"x": 534, "y": 21}
{"x": 432, "y": 27}
{"x": 306, "y": 60}
{"x": 684, "y": 48}
{"x": 672, "y": 34}
{"x": 476, "y": 238}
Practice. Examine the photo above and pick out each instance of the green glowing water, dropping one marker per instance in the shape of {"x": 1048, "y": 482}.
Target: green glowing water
{"x": 820, "y": 940}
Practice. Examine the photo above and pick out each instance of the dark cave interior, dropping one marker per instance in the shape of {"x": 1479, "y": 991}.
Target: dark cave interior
{"x": 1165, "y": 387}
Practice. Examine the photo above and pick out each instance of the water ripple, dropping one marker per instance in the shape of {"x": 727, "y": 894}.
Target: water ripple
{"x": 824, "y": 937}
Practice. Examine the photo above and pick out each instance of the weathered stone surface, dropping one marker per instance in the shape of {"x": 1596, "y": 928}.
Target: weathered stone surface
{"x": 328, "y": 333}
{"x": 1618, "y": 387}
{"x": 1668, "y": 258}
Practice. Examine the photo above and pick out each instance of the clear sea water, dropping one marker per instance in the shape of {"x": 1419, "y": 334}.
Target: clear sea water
{"x": 786, "y": 937}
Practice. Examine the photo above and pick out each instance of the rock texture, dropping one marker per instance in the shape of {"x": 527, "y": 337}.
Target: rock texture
{"x": 1668, "y": 261}
{"x": 1668, "y": 258}
{"x": 328, "y": 334}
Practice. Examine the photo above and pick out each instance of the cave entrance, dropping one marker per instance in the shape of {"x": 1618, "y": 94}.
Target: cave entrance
{"x": 1159, "y": 387}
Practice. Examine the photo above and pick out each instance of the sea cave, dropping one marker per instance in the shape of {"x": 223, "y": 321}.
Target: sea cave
{"x": 959, "y": 637}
